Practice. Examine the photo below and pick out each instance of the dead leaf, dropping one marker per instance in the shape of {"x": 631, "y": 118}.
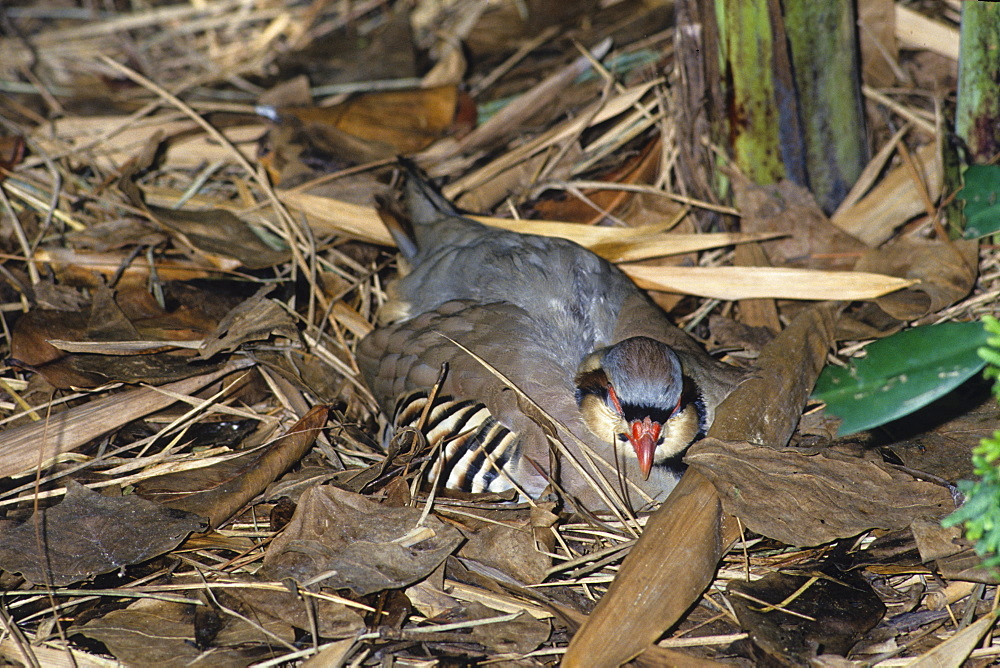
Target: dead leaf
{"x": 641, "y": 168}
{"x": 35, "y": 334}
{"x": 219, "y": 491}
{"x": 256, "y": 319}
{"x": 812, "y": 241}
{"x": 807, "y": 499}
{"x": 519, "y": 636}
{"x": 344, "y": 540}
{"x": 32, "y": 445}
{"x": 12, "y": 149}
{"x": 220, "y": 232}
{"x": 935, "y": 541}
{"x": 88, "y": 534}
{"x": 946, "y": 271}
{"x": 333, "y": 620}
{"x": 830, "y": 614}
{"x": 162, "y": 634}
{"x": 366, "y": 128}
{"x": 504, "y": 540}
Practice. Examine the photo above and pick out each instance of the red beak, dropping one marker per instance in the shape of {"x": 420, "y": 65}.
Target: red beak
{"x": 643, "y": 437}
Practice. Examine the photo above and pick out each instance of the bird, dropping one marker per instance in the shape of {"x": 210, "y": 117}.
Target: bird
{"x": 552, "y": 370}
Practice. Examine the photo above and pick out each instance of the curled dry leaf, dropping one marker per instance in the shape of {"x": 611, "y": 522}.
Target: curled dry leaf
{"x": 255, "y": 319}
{"x": 219, "y": 491}
{"x": 342, "y": 540}
{"x": 88, "y": 534}
{"x": 946, "y": 271}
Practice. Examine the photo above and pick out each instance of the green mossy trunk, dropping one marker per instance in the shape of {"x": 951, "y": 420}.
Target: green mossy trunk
{"x": 790, "y": 91}
{"x": 977, "y": 119}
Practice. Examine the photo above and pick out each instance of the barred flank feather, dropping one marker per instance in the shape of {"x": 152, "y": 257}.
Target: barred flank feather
{"x": 475, "y": 447}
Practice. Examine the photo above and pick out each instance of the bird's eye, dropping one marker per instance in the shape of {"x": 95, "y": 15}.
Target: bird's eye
{"x": 659, "y": 442}
{"x": 623, "y": 438}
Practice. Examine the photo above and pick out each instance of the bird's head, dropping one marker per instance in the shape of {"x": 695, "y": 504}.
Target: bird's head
{"x": 635, "y": 394}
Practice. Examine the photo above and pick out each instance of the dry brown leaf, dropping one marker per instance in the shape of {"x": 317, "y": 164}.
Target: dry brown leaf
{"x": 255, "y": 319}
{"x": 827, "y": 616}
{"x": 342, "y": 540}
{"x": 640, "y": 168}
{"x": 946, "y": 271}
{"x": 806, "y": 499}
{"x": 811, "y": 240}
{"x": 108, "y": 340}
{"x": 954, "y": 651}
{"x": 35, "y": 444}
{"x": 505, "y": 541}
{"x": 162, "y": 633}
{"x": 219, "y": 491}
{"x": 333, "y": 619}
{"x": 666, "y": 571}
{"x": 88, "y": 534}
{"x": 220, "y": 232}
{"x": 520, "y": 635}
{"x": 12, "y": 148}
{"x": 366, "y": 128}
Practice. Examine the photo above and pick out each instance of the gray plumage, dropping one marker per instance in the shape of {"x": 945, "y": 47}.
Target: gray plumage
{"x": 534, "y": 308}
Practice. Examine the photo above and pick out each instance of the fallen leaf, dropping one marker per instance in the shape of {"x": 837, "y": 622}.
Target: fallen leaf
{"x": 341, "y": 540}
{"x": 333, "y": 619}
{"x": 808, "y": 498}
{"x": 219, "y": 491}
{"x": 946, "y": 271}
{"x": 829, "y": 615}
{"x": 88, "y": 534}
{"x": 162, "y": 634}
{"x": 810, "y": 241}
{"x": 256, "y": 319}
{"x": 505, "y": 540}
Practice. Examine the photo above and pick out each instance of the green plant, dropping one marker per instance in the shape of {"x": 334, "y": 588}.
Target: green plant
{"x": 980, "y": 514}
{"x": 901, "y": 373}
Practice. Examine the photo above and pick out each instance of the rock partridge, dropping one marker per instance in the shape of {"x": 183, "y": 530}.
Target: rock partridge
{"x": 542, "y": 341}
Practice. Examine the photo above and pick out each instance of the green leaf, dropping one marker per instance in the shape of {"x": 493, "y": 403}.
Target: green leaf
{"x": 981, "y": 195}
{"x": 901, "y": 373}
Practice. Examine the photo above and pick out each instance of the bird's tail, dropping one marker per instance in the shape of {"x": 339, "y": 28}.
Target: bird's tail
{"x": 423, "y": 200}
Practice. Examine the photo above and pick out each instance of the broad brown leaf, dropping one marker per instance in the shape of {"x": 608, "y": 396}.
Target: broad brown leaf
{"x": 806, "y": 499}
{"x": 349, "y": 541}
{"x": 88, "y": 534}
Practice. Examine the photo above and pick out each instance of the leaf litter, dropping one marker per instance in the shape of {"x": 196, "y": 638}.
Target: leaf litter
{"x": 155, "y": 285}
